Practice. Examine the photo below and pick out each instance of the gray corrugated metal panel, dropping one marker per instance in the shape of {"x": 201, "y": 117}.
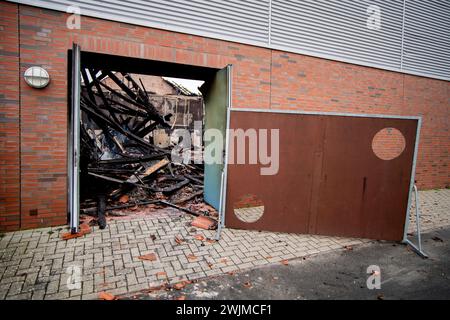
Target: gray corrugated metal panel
{"x": 427, "y": 37}
{"x": 339, "y": 29}
{"x": 329, "y": 29}
{"x": 214, "y": 18}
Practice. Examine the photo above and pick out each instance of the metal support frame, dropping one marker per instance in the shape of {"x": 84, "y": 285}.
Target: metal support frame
{"x": 223, "y": 185}
{"x": 416, "y": 248}
{"x": 220, "y": 223}
{"x": 413, "y": 188}
{"x": 320, "y": 113}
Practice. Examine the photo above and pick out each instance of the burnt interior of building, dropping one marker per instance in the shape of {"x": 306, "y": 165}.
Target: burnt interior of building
{"x": 130, "y": 115}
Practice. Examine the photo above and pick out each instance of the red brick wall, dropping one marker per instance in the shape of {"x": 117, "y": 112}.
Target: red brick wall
{"x": 262, "y": 78}
{"x": 308, "y": 83}
{"x": 248, "y": 201}
{"x": 9, "y": 119}
{"x": 388, "y": 143}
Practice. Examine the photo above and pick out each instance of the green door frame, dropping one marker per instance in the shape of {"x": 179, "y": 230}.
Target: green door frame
{"x": 217, "y": 112}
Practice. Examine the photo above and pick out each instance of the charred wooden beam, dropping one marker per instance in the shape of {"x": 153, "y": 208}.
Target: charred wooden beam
{"x": 101, "y": 218}
{"x": 135, "y": 160}
{"x": 118, "y": 180}
{"x": 194, "y": 179}
{"x": 146, "y": 130}
{"x": 173, "y": 187}
{"x": 103, "y": 98}
{"x": 141, "y": 95}
{"x": 122, "y": 86}
{"x": 137, "y": 98}
{"x": 124, "y": 98}
{"x": 115, "y": 126}
{"x": 192, "y": 196}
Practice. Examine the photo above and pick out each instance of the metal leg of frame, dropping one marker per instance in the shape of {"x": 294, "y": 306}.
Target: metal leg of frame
{"x": 221, "y": 213}
{"x": 417, "y": 248}
{"x": 223, "y": 185}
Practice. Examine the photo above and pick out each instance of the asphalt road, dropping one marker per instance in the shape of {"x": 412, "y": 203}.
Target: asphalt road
{"x": 337, "y": 275}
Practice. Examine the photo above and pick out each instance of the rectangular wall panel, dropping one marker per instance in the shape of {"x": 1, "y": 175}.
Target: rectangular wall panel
{"x": 338, "y": 28}
{"x": 330, "y": 182}
{"x": 427, "y": 37}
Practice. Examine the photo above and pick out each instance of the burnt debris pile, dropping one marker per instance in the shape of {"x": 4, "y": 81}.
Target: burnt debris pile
{"x": 122, "y": 166}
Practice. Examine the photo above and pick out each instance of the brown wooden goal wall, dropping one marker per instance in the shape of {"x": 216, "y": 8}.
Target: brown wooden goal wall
{"x": 330, "y": 182}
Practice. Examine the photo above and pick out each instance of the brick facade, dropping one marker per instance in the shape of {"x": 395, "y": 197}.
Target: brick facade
{"x": 9, "y": 118}
{"x": 33, "y": 123}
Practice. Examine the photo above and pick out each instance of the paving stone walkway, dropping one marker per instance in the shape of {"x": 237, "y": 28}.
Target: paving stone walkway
{"x": 434, "y": 209}
{"x": 37, "y": 264}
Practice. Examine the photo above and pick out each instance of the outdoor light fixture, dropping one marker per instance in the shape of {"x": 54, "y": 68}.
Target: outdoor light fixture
{"x": 36, "y": 77}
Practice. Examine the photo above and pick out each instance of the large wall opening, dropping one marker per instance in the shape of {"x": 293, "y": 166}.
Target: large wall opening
{"x": 141, "y": 128}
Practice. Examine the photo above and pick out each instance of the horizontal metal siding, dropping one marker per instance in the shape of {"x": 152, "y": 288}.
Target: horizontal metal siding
{"x": 216, "y": 18}
{"x": 339, "y": 29}
{"x": 414, "y": 39}
{"x": 427, "y": 37}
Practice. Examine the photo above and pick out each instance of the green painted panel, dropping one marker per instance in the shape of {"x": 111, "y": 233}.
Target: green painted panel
{"x": 216, "y": 101}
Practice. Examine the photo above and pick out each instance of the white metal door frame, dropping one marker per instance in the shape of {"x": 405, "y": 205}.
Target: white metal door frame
{"x": 74, "y": 142}
{"x": 223, "y": 185}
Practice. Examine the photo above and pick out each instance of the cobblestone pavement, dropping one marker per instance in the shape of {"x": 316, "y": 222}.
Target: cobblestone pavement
{"x": 37, "y": 264}
{"x": 434, "y": 209}
{"x": 250, "y": 214}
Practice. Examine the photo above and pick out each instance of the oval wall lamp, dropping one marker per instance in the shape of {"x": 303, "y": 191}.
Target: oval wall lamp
{"x": 36, "y": 77}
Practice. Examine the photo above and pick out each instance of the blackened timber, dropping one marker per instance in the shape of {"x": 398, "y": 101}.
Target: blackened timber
{"x": 111, "y": 170}
{"x": 118, "y": 181}
{"x": 152, "y": 112}
{"x": 140, "y": 95}
{"x": 136, "y": 97}
{"x": 116, "y": 126}
{"x": 122, "y": 86}
{"x": 192, "y": 196}
{"x": 136, "y": 160}
{"x": 146, "y": 130}
{"x": 108, "y": 136}
{"x": 101, "y": 219}
{"x": 194, "y": 179}
{"x": 172, "y": 188}
{"x": 138, "y": 127}
{"x": 145, "y": 90}
{"x": 126, "y": 109}
{"x": 118, "y": 94}
{"x": 102, "y": 96}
